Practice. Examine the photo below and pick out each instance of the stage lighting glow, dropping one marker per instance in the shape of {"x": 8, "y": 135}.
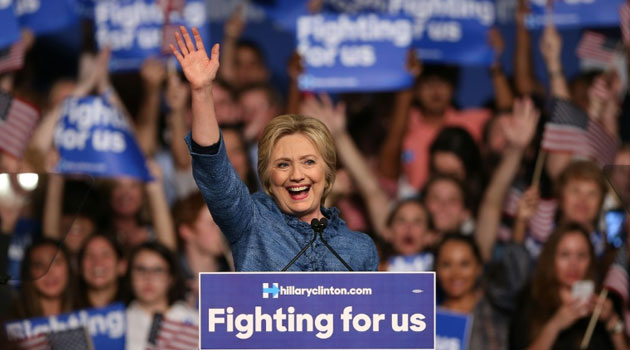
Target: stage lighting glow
{"x": 28, "y": 181}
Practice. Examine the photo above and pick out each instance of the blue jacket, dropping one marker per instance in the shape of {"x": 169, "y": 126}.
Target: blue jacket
{"x": 262, "y": 237}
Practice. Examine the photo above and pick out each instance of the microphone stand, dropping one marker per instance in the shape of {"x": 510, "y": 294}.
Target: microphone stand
{"x": 318, "y": 226}
{"x": 301, "y": 251}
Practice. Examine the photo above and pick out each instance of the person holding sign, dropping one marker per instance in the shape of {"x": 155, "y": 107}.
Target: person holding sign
{"x": 296, "y": 162}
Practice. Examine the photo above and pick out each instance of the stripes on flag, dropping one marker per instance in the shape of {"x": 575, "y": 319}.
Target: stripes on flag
{"x": 36, "y": 342}
{"x": 571, "y": 130}
{"x": 542, "y": 222}
{"x": 12, "y": 57}
{"x": 596, "y": 47}
{"x": 167, "y": 334}
{"x": 17, "y": 121}
{"x": 617, "y": 282}
{"x": 624, "y": 21}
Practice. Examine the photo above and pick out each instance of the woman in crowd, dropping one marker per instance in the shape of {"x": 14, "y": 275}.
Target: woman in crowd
{"x": 552, "y": 316}
{"x": 156, "y": 285}
{"x": 455, "y": 152}
{"x": 296, "y": 162}
{"x": 47, "y": 282}
{"x": 102, "y": 265}
{"x": 408, "y": 233}
{"x": 126, "y": 220}
{"x": 485, "y": 292}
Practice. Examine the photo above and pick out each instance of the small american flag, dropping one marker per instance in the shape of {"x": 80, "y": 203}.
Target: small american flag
{"x": 36, "y": 342}
{"x": 618, "y": 283}
{"x": 542, "y": 222}
{"x": 571, "y": 130}
{"x": 12, "y": 57}
{"x": 596, "y": 47}
{"x": 17, "y": 121}
{"x": 166, "y": 334}
{"x": 71, "y": 339}
{"x": 624, "y": 21}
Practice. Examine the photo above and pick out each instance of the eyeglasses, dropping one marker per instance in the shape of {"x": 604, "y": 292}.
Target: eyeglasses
{"x": 150, "y": 271}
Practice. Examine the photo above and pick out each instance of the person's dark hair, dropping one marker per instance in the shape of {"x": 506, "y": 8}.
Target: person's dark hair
{"x": 459, "y": 142}
{"x": 28, "y": 304}
{"x": 177, "y": 289}
{"x": 401, "y": 203}
{"x": 468, "y": 240}
{"x": 83, "y": 286}
{"x": 545, "y": 290}
{"x": 449, "y": 178}
{"x": 274, "y": 97}
{"x": 254, "y": 47}
{"x": 227, "y": 87}
{"x": 252, "y": 179}
{"x": 447, "y": 73}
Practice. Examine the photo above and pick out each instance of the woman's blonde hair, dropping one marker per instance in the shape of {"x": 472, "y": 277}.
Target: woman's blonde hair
{"x": 289, "y": 124}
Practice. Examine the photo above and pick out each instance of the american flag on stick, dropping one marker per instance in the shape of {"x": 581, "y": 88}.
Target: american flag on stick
{"x": 617, "y": 282}
{"x": 17, "y": 121}
{"x": 571, "y": 130}
{"x": 12, "y": 57}
{"x": 166, "y": 334}
{"x": 597, "y": 47}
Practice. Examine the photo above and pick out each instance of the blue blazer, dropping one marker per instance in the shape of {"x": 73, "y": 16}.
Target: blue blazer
{"x": 262, "y": 237}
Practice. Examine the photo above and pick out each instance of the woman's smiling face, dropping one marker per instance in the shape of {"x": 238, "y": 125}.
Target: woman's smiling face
{"x": 298, "y": 176}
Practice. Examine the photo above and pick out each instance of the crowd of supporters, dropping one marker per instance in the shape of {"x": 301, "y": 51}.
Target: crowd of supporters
{"x": 505, "y": 202}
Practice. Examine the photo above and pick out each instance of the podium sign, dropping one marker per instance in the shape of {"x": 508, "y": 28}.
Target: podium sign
{"x": 327, "y": 310}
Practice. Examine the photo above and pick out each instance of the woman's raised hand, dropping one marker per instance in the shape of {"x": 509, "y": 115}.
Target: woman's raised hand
{"x": 200, "y": 70}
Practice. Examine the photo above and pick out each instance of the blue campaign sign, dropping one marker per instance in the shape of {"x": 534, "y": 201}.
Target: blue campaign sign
{"x": 354, "y": 53}
{"x": 575, "y": 13}
{"x": 94, "y": 138}
{"x": 450, "y": 31}
{"x": 106, "y": 326}
{"x": 134, "y": 29}
{"x": 45, "y": 16}
{"x": 329, "y": 310}
{"x": 9, "y": 26}
{"x": 452, "y": 330}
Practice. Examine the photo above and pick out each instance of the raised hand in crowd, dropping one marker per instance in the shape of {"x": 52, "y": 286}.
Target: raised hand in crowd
{"x": 503, "y": 98}
{"x": 177, "y": 98}
{"x": 153, "y": 75}
{"x": 200, "y": 71}
{"x": 527, "y": 206}
{"x": 160, "y": 212}
{"x": 551, "y": 50}
{"x": 604, "y": 104}
{"x": 295, "y": 67}
{"x": 519, "y": 130}
{"x": 389, "y": 164}
{"x": 232, "y": 31}
{"x": 334, "y": 116}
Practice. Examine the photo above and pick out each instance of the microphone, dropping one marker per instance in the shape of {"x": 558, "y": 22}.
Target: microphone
{"x": 319, "y": 226}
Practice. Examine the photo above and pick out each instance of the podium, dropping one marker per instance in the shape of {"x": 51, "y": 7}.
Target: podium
{"x": 317, "y": 310}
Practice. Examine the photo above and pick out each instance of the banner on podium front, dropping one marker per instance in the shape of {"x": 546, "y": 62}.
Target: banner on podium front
{"x": 327, "y": 310}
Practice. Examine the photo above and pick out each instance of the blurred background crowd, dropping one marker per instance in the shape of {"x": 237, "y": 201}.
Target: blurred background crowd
{"x": 507, "y": 199}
